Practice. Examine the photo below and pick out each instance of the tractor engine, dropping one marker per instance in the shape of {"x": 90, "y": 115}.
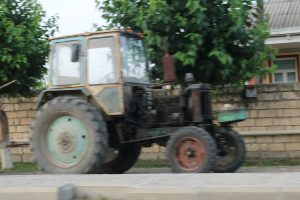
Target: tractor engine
{"x": 197, "y": 103}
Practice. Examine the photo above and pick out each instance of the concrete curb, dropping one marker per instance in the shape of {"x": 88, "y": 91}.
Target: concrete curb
{"x": 65, "y": 192}
{"x": 236, "y": 186}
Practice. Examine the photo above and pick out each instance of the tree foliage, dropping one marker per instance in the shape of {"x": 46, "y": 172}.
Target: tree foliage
{"x": 220, "y": 41}
{"x": 24, "y": 34}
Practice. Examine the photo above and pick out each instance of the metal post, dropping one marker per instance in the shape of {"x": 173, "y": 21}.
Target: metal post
{"x": 5, "y": 151}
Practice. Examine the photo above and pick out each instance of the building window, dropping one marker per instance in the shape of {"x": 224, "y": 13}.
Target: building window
{"x": 286, "y": 70}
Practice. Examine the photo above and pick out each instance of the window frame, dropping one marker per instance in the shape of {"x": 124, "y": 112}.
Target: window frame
{"x": 286, "y": 57}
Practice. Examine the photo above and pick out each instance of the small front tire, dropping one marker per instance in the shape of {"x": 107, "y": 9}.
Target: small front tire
{"x": 191, "y": 150}
{"x": 232, "y": 150}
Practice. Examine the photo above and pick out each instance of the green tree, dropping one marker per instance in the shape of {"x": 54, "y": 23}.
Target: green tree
{"x": 24, "y": 34}
{"x": 220, "y": 41}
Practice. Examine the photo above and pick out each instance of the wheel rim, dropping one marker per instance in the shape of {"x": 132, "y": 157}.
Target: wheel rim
{"x": 67, "y": 141}
{"x": 190, "y": 153}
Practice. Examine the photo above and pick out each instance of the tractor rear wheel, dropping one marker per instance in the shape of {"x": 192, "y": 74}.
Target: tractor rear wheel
{"x": 191, "y": 150}
{"x": 232, "y": 151}
{"x": 69, "y": 136}
{"x": 120, "y": 160}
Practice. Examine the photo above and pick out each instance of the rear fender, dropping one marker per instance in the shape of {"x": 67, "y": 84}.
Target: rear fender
{"x": 49, "y": 94}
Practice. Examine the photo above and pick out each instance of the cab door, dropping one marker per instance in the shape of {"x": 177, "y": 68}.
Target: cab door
{"x": 103, "y": 73}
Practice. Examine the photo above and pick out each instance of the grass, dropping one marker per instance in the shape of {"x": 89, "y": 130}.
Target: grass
{"x": 22, "y": 167}
{"x": 32, "y": 167}
{"x": 151, "y": 164}
{"x": 264, "y": 163}
{"x": 272, "y": 163}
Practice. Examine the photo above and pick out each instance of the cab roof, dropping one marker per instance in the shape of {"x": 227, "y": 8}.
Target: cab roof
{"x": 127, "y": 31}
{"x": 85, "y": 34}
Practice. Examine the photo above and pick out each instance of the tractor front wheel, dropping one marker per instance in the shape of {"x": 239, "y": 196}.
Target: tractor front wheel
{"x": 69, "y": 136}
{"x": 232, "y": 151}
{"x": 191, "y": 150}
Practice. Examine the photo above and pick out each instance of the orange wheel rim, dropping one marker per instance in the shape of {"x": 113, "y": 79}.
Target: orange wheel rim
{"x": 190, "y": 153}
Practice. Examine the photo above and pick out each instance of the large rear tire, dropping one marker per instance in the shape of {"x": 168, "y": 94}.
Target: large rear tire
{"x": 120, "y": 160}
{"x": 191, "y": 150}
{"x": 232, "y": 151}
{"x": 69, "y": 136}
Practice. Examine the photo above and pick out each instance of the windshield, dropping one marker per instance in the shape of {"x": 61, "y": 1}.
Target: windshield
{"x": 134, "y": 62}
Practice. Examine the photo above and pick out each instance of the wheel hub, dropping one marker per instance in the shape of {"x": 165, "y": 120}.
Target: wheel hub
{"x": 66, "y": 141}
{"x": 190, "y": 153}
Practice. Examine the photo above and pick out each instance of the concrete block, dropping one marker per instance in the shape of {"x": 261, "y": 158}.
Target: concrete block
{"x": 22, "y": 114}
{"x": 295, "y": 121}
{"x": 291, "y": 112}
{"x": 253, "y": 155}
{"x": 266, "y": 96}
{"x": 294, "y": 154}
{"x": 8, "y": 107}
{"x": 282, "y": 139}
{"x": 290, "y": 95}
{"x": 11, "y": 115}
{"x": 147, "y": 150}
{"x": 21, "y": 129}
{"x": 27, "y": 106}
{"x": 264, "y": 147}
{"x": 31, "y": 113}
{"x": 249, "y": 140}
{"x": 156, "y": 148}
{"x": 277, "y": 147}
{"x": 295, "y": 138}
{"x": 253, "y": 113}
{"x": 252, "y": 147}
{"x": 269, "y": 155}
{"x": 264, "y": 139}
{"x": 264, "y": 122}
{"x": 266, "y": 113}
{"x": 26, "y": 121}
{"x": 293, "y": 146}
{"x": 162, "y": 149}
{"x": 281, "y": 121}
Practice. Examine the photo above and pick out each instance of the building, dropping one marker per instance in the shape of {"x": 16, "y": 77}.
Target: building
{"x": 285, "y": 36}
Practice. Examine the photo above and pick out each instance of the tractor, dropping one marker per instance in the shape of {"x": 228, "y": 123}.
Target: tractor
{"x": 99, "y": 109}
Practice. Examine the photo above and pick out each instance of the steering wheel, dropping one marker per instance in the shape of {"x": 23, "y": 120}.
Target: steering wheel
{"x": 109, "y": 78}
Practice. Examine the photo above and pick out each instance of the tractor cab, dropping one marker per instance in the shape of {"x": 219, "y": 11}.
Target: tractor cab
{"x": 101, "y": 65}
